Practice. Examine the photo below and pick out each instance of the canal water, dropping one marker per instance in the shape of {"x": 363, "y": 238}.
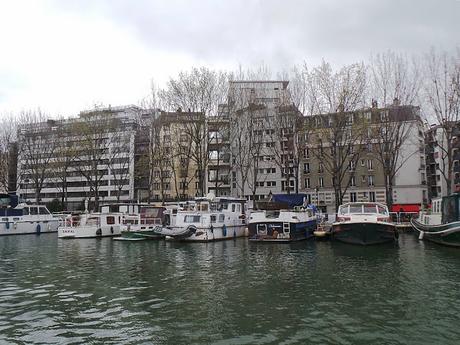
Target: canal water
{"x": 100, "y": 291}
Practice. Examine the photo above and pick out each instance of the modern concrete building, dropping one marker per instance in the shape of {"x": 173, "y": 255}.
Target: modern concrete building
{"x": 90, "y": 157}
{"x": 262, "y": 139}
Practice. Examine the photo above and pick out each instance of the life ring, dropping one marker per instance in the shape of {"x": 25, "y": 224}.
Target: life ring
{"x": 98, "y": 232}
{"x": 224, "y": 230}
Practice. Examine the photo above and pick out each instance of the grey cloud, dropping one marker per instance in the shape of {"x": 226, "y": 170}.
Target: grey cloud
{"x": 283, "y": 32}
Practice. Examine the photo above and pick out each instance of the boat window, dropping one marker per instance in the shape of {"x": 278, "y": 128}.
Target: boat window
{"x": 343, "y": 210}
{"x": 34, "y": 210}
{"x": 25, "y": 211}
{"x": 213, "y": 218}
{"x": 370, "y": 209}
{"x": 15, "y": 219}
{"x": 191, "y": 219}
{"x": 381, "y": 209}
{"x": 233, "y": 207}
{"x": 92, "y": 221}
{"x": 110, "y": 220}
{"x": 203, "y": 207}
{"x": 356, "y": 208}
{"x": 224, "y": 206}
{"x": 238, "y": 208}
{"x": 43, "y": 210}
{"x": 221, "y": 218}
{"x": 150, "y": 212}
{"x": 4, "y": 219}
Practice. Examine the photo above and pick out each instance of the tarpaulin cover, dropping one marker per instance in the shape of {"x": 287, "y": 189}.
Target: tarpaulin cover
{"x": 290, "y": 199}
{"x": 405, "y": 208}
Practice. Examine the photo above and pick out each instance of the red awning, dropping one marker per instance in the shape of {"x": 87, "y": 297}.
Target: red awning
{"x": 405, "y": 208}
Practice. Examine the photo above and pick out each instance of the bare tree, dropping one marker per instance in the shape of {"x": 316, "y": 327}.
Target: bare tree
{"x": 198, "y": 93}
{"x": 63, "y": 161}
{"x": 8, "y": 131}
{"x": 339, "y": 133}
{"x": 95, "y": 132}
{"x": 37, "y": 146}
{"x": 120, "y": 159}
{"x": 394, "y": 79}
{"x": 442, "y": 90}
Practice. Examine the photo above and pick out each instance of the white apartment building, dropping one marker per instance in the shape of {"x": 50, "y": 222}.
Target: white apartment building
{"x": 87, "y": 158}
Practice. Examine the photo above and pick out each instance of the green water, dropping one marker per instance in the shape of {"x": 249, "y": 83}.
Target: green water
{"x": 100, "y": 291}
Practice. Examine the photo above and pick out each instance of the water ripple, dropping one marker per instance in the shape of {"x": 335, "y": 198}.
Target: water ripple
{"x": 106, "y": 292}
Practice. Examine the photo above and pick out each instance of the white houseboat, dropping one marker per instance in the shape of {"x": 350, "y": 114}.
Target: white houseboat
{"x": 209, "y": 219}
{"x": 16, "y": 219}
{"x": 88, "y": 225}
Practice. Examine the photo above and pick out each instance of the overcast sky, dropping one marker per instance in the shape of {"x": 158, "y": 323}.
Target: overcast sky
{"x": 65, "y": 56}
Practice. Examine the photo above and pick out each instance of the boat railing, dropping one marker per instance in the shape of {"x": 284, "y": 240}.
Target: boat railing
{"x": 150, "y": 220}
{"x": 403, "y": 218}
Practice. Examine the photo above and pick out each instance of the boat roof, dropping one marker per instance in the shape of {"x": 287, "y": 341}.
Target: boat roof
{"x": 220, "y": 199}
{"x": 364, "y": 203}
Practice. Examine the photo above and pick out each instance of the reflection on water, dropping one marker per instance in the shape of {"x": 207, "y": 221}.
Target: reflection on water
{"x": 234, "y": 292}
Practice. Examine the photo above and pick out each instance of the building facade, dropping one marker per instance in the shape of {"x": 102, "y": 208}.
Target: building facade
{"x": 88, "y": 158}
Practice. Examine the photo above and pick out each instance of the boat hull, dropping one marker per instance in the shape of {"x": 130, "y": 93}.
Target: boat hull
{"x": 445, "y": 234}
{"x": 216, "y": 233}
{"x": 28, "y": 227}
{"x": 140, "y": 235}
{"x": 364, "y": 233}
{"x": 274, "y": 231}
{"x": 89, "y": 231}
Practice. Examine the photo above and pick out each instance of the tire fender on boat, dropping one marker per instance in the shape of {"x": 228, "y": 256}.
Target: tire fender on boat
{"x": 7, "y": 225}
{"x": 111, "y": 229}
{"x": 38, "y": 229}
{"x": 422, "y": 233}
{"x": 99, "y": 232}
{"x": 224, "y": 230}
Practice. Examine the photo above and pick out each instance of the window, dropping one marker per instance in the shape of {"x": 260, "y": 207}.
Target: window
{"x": 306, "y": 153}
{"x": 233, "y": 207}
{"x": 363, "y": 162}
{"x": 307, "y": 182}
{"x": 110, "y": 220}
{"x": 349, "y": 120}
{"x": 352, "y": 181}
{"x": 191, "y": 219}
{"x": 370, "y": 165}
{"x": 384, "y": 115}
{"x": 363, "y": 178}
{"x": 353, "y": 197}
{"x": 221, "y": 218}
{"x": 372, "y": 196}
{"x": 321, "y": 182}
{"x": 43, "y": 210}
{"x": 320, "y": 168}
{"x": 351, "y": 166}
{"x": 306, "y": 168}
{"x": 370, "y": 180}
{"x": 271, "y": 183}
